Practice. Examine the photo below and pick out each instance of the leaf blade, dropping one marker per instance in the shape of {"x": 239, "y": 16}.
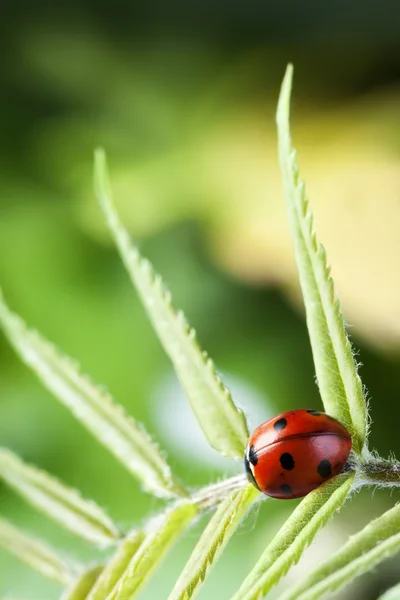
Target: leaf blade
{"x": 298, "y": 531}
{"x": 116, "y": 567}
{"x": 35, "y": 554}
{"x": 379, "y": 540}
{"x": 223, "y": 424}
{"x": 81, "y": 588}
{"x": 339, "y": 383}
{"x": 213, "y": 540}
{"x": 93, "y": 407}
{"x": 161, "y": 535}
{"x": 57, "y": 501}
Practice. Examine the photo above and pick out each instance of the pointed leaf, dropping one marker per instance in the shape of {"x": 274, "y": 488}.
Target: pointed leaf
{"x": 296, "y": 534}
{"x": 57, "y": 501}
{"x": 213, "y": 540}
{"x": 339, "y": 383}
{"x": 35, "y": 553}
{"x": 81, "y": 588}
{"x": 162, "y": 533}
{"x": 116, "y": 566}
{"x": 378, "y": 541}
{"x": 223, "y": 424}
{"x": 92, "y": 406}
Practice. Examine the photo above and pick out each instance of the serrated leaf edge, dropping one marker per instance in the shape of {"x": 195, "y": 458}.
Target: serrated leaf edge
{"x": 295, "y": 535}
{"x": 55, "y": 500}
{"x": 183, "y": 348}
{"x": 379, "y": 540}
{"x": 213, "y": 540}
{"x": 352, "y": 410}
{"x": 94, "y": 407}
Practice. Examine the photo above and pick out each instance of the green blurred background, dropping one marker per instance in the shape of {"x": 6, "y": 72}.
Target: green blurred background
{"x": 182, "y": 96}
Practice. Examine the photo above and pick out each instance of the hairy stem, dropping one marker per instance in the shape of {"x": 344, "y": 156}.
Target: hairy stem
{"x": 213, "y": 494}
{"x": 378, "y": 471}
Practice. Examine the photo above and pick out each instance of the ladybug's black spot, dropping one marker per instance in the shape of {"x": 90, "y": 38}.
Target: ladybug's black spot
{"x": 286, "y": 489}
{"x": 253, "y": 458}
{"x": 280, "y": 424}
{"x": 249, "y": 473}
{"x": 315, "y": 413}
{"x": 287, "y": 461}
{"x": 325, "y": 468}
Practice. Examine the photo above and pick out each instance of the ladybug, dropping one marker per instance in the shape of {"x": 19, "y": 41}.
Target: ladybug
{"x": 293, "y": 453}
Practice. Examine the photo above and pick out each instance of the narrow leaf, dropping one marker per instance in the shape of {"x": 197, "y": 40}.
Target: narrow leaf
{"x": 392, "y": 593}
{"x": 91, "y": 405}
{"x": 35, "y": 553}
{"x": 339, "y": 383}
{"x": 223, "y": 424}
{"x": 81, "y": 588}
{"x": 296, "y": 534}
{"x": 213, "y": 540}
{"x": 116, "y": 566}
{"x": 162, "y": 533}
{"x": 57, "y": 501}
{"x": 378, "y": 541}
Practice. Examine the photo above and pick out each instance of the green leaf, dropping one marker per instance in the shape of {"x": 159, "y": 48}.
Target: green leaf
{"x": 57, "y": 501}
{"x": 81, "y": 588}
{"x": 378, "y": 541}
{"x": 339, "y": 383}
{"x": 391, "y": 594}
{"x": 296, "y": 534}
{"x": 223, "y": 424}
{"x": 91, "y": 405}
{"x": 36, "y": 554}
{"x": 213, "y": 540}
{"x": 161, "y": 534}
{"x": 116, "y": 566}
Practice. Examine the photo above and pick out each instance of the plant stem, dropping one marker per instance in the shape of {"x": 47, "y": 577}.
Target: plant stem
{"x": 215, "y": 493}
{"x": 378, "y": 471}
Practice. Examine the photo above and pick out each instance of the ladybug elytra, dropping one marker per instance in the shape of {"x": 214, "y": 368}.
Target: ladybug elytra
{"x": 293, "y": 453}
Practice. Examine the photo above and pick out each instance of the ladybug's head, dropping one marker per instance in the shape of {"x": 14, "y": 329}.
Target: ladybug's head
{"x": 250, "y": 461}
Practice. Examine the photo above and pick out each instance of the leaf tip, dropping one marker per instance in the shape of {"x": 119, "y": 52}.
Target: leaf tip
{"x": 282, "y": 111}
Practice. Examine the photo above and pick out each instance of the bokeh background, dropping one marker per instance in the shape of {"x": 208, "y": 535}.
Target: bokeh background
{"x": 182, "y": 96}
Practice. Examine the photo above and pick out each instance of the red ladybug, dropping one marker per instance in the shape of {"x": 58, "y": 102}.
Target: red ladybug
{"x": 293, "y": 453}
